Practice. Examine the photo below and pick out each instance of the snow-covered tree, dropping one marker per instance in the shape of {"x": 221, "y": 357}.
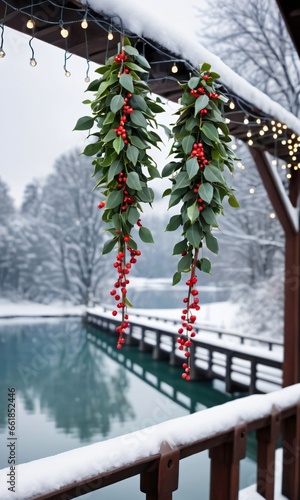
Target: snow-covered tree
{"x": 251, "y": 37}
{"x": 7, "y": 213}
{"x": 73, "y": 230}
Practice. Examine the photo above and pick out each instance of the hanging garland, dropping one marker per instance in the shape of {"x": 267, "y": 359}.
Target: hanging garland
{"x": 124, "y": 113}
{"x": 201, "y": 155}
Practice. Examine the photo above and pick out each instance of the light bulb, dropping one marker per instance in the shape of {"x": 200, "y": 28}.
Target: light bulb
{"x": 258, "y": 120}
{"x": 67, "y": 74}
{"x": 30, "y": 24}
{"x": 84, "y": 24}
{"x": 174, "y": 68}
{"x": 288, "y": 176}
{"x": 265, "y": 128}
{"x": 250, "y": 142}
{"x": 2, "y": 53}
{"x": 110, "y": 35}
{"x": 234, "y": 147}
{"x": 227, "y": 120}
{"x": 261, "y": 132}
{"x": 251, "y": 190}
{"x": 246, "y": 121}
{"x": 272, "y": 215}
{"x": 87, "y": 79}
{"x": 274, "y": 162}
{"x": 231, "y": 105}
{"x": 283, "y": 167}
{"x": 64, "y": 32}
{"x": 33, "y": 62}
{"x": 249, "y": 134}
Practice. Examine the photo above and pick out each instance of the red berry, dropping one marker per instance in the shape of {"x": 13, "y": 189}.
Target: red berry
{"x": 114, "y": 313}
{"x": 101, "y": 204}
{"x": 126, "y": 238}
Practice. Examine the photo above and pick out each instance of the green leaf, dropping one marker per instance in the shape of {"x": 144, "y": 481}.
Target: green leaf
{"x": 127, "y": 82}
{"x": 184, "y": 263}
{"x": 136, "y": 141}
{"x": 206, "y": 192}
{"x": 174, "y": 223}
{"x": 115, "y": 198}
{"x": 213, "y": 174}
{"x": 212, "y": 243}
{"x": 187, "y": 144}
{"x": 180, "y": 247}
{"x": 109, "y": 245}
{"x": 92, "y": 149}
{"x": 182, "y": 180}
{"x": 146, "y": 195}
{"x": 205, "y": 265}
{"x": 233, "y": 202}
{"x": 138, "y": 118}
{"x": 176, "y": 278}
{"x": 102, "y": 88}
{"x": 135, "y": 67}
{"x": 166, "y": 192}
{"x": 141, "y": 60}
{"x": 133, "y": 181}
{"x": 138, "y": 102}
{"x": 193, "y": 82}
{"x": 110, "y": 136}
{"x": 117, "y": 221}
{"x": 109, "y": 118}
{"x": 133, "y": 215}
{"x": 115, "y": 168}
{"x": 209, "y": 216}
{"x": 192, "y": 167}
{"x": 132, "y": 154}
{"x": 191, "y": 123}
{"x": 153, "y": 172}
{"x": 127, "y": 302}
{"x": 118, "y": 144}
{"x": 84, "y": 123}
{"x": 169, "y": 169}
{"x": 193, "y": 212}
{"x": 117, "y": 103}
{"x": 201, "y": 103}
{"x": 210, "y": 131}
{"x": 194, "y": 235}
{"x": 205, "y": 67}
{"x": 145, "y": 235}
{"x": 132, "y": 51}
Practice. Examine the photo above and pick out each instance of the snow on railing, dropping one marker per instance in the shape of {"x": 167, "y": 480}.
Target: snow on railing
{"x": 221, "y": 429}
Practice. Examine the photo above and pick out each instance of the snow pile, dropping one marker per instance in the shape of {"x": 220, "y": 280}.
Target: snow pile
{"x": 34, "y": 309}
{"x": 174, "y": 27}
{"x": 51, "y": 473}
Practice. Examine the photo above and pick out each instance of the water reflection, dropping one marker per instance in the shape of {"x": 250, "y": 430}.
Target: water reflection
{"x": 73, "y": 381}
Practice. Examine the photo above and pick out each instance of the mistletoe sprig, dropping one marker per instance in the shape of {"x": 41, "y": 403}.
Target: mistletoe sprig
{"x": 201, "y": 156}
{"x": 124, "y": 113}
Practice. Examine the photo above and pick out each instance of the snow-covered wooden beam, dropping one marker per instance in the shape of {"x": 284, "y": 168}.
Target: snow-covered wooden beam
{"x": 56, "y": 475}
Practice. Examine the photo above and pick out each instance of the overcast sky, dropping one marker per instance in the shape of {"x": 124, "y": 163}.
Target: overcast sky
{"x": 39, "y": 108}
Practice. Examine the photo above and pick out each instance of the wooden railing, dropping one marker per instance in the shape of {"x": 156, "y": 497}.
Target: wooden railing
{"x": 271, "y": 416}
{"x": 220, "y": 333}
{"x": 242, "y": 367}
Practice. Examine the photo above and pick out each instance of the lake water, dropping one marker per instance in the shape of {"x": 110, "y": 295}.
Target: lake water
{"x": 74, "y": 388}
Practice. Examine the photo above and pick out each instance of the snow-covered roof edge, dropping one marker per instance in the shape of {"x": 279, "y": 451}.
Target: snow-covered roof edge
{"x": 51, "y": 473}
{"x": 143, "y": 19}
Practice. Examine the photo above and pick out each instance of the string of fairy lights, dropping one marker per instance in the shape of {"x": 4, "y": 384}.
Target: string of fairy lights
{"x": 260, "y": 128}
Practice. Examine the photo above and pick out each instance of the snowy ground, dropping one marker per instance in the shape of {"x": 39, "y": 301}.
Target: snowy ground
{"x": 218, "y": 314}
{"x": 34, "y": 309}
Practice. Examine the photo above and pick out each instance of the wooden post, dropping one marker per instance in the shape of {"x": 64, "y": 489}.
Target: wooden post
{"x": 266, "y": 445}
{"x": 291, "y": 456}
{"x": 159, "y": 483}
{"x": 284, "y": 207}
{"x": 225, "y": 466}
